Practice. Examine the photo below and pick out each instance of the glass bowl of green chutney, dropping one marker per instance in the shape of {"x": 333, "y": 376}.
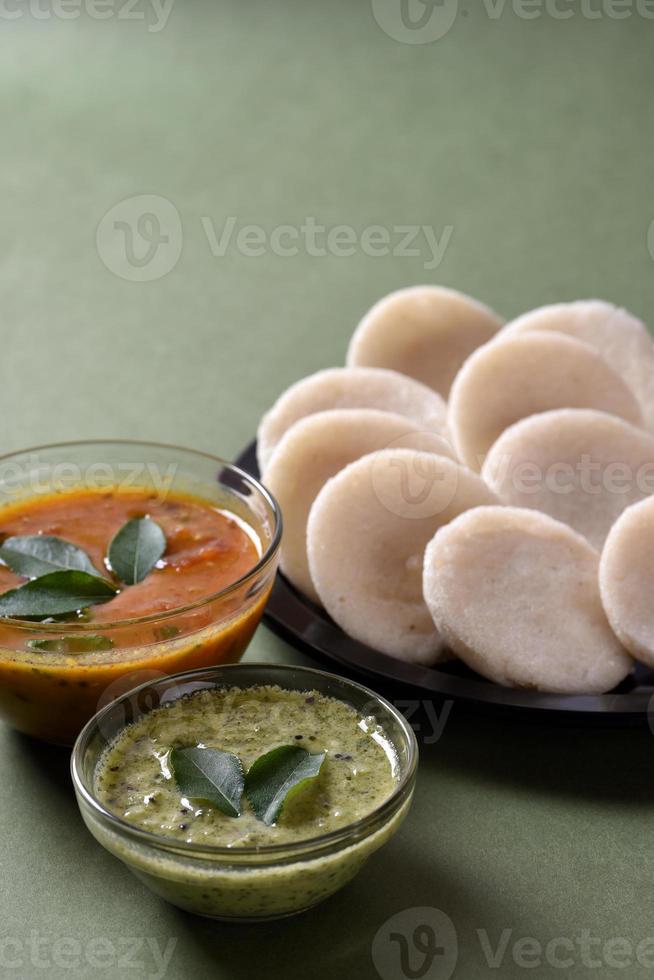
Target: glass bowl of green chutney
{"x": 242, "y": 868}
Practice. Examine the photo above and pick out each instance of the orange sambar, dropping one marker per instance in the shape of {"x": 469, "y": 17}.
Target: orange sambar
{"x": 54, "y": 678}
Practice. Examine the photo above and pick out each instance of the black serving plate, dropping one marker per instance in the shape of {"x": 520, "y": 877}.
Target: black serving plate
{"x": 306, "y": 626}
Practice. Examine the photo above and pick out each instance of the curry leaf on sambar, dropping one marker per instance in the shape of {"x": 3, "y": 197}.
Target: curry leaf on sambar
{"x": 72, "y": 644}
{"x": 136, "y": 549}
{"x": 55, "y": 593}
{"x": 33, "y": 555}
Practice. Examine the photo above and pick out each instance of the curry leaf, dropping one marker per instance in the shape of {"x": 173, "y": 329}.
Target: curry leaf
{"x": 55, "y": 593}
{"x": 136, "y": 548}
{"x": 277, "y": 776}
{"x": 72, "y": 644}
{"x": 166, "y": 632}
{"x": 32, "y": 555}
{"x": 209, "y": 774}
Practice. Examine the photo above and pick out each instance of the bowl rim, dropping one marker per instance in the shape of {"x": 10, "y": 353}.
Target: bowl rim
{"x": 368, "y": 823}
{"x": 266, "y": 557}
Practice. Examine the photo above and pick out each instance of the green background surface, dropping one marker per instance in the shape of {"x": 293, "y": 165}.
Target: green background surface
{"x": 533, "y": 140}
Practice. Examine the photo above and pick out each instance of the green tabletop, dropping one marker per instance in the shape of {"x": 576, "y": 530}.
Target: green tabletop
{"x": 522, "y": 139}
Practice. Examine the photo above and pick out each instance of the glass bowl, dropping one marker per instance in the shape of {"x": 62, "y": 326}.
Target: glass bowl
{"x": 244, "y": 882}
{"x": 51, "y": 694}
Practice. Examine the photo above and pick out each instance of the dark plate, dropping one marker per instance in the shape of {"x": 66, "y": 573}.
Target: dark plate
{"x": 306, "y": 626}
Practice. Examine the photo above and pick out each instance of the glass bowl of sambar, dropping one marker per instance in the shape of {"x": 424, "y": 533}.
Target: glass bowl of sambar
{"x": 74, "y": 517}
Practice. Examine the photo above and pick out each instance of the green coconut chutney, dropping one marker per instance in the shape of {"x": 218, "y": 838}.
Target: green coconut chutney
{"x": 244, "y": 881}
{"x": 134, "y": 778}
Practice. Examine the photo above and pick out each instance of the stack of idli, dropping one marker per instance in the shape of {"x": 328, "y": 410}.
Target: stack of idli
{"x": 474, "y": 489}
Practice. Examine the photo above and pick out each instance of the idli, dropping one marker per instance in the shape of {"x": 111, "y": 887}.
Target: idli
{"x": 621, "y": 338}
{"x": 366, "y": 535}
{"x": 349, "y": 388}
{"x": 509, "y": 379}
{"x": 627, "y": 579}
{"x": 515, "y": 594}
{"x": 578, "y": 465}
{"x": 426, "y": 332}
{"x": 315, "y": 449}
